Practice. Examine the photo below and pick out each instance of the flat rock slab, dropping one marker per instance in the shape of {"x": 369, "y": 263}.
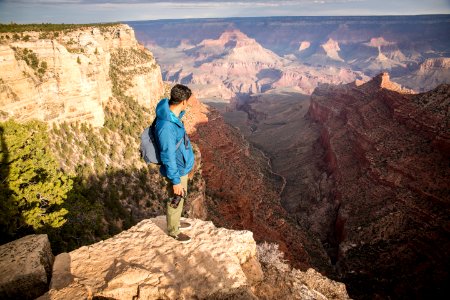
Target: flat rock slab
{"x": 145, "y": 263}
{"x": 25, "y": 267}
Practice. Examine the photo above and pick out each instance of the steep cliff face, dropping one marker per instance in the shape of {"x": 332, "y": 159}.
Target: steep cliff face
{"x": 99, "y": 86}
{"x": 65, "y": 75}
{"x": 243, "y": 193}
{"x": 388, "y": 152}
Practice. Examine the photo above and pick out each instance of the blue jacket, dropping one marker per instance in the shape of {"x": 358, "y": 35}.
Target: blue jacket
{"x": 169, "y": 131}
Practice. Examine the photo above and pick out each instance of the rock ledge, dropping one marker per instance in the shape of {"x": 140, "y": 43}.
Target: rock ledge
{"x": 144, "y": 263}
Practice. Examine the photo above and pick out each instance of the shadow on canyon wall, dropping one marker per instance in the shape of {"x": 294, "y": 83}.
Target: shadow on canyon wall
{"x": 5, "y": 192}
{"x": 399, "y": 248}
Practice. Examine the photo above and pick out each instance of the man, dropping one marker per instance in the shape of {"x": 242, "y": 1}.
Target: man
{"x": 176, "y": 154}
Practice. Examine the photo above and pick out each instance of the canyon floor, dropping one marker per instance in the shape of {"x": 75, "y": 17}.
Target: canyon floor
{"x": 277, "y": 123}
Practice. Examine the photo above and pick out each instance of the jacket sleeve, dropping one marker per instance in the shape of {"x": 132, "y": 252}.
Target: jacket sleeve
{"x": 167, "y": 147}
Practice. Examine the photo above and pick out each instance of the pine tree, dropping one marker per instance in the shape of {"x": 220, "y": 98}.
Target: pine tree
{"x": 33, "y": 187}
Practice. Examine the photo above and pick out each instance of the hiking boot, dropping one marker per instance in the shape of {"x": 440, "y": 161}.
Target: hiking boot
{"x": 182, "y": 238}
{"x": 185, "y": 226}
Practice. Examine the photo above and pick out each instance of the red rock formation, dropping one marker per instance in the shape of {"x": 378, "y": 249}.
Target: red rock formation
{"x": 243, "y": 193}
{"x": 389, "y": 154}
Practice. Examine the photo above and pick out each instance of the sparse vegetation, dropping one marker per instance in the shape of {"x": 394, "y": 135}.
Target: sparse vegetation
{"x": 270, "y": 255}
{"x": 31, "y": 59}
{"x": 47, "y": 27}
{"x": 112, "y": 187}
{"x": 110, "y": 179}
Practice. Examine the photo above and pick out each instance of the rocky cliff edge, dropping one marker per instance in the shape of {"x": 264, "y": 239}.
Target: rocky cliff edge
{"x": 145, "y": 263}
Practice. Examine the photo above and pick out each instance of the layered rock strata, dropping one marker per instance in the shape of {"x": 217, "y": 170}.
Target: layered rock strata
{"x": 243, "y": 193}
{"x": 430, "y": 73}
{"x": 388, "y": 153}
{"x": 235, "y": 64}
{"x": 65, "y": 76}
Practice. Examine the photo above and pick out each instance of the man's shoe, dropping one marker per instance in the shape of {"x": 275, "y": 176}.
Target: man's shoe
{"x": 182, "y": 238}
{"x": 185, "y": 226}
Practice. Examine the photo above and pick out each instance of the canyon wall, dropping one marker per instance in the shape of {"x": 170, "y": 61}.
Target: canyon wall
{"x": 431, "y": 73}
{"x": 57, "y": 76}
{"x": 243, "y": 193}
{"x": 388, "y": 152}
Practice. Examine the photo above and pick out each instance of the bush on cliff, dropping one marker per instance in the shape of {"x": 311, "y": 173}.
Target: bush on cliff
{"x": 32, "y": 186}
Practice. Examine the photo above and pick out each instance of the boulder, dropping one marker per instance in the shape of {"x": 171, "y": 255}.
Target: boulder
{"x": 145, "y": 263}
{"x": 25, "y": 267}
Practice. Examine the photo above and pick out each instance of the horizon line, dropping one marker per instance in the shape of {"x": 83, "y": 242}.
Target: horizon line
{"x": 222, "y": 18}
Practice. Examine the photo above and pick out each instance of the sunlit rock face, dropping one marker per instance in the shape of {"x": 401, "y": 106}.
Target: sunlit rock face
{"x": 69, "y": 78}
{"x": 145, "y": 263}
{"x": 360, "y": 47}
{"x": 235, "y": 64}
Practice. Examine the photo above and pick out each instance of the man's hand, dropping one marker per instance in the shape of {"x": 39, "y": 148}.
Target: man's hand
{"x": 178, "y": 189}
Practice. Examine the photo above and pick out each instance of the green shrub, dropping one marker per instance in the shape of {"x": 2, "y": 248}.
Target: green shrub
{"x": 33, "y": 188}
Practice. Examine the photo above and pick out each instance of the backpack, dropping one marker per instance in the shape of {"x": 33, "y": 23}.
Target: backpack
{"x": 149, "y": 146}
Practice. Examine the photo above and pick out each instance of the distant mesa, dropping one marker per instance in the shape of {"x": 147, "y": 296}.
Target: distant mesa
{"x": 436, "y": 63}
{"x": 236, "y": 64}
{"x": 332, "y": 48}
{"x": 369, "y": 45}
{"x": 226, "y": 37}
{"x": 304, "y": 45}
{"x": 378, "y": 42}
{"x": 429, "y": 74}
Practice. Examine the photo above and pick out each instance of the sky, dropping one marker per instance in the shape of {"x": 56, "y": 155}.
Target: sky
{"x": 97, "y": 11}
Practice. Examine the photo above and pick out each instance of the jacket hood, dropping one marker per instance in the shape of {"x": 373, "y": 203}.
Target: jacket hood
{"x": 163, "y": 112}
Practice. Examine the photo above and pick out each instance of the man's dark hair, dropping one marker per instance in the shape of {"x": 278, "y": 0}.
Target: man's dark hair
{"x": 179, "y": 93}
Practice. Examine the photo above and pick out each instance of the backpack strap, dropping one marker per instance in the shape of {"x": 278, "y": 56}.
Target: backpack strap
{"x": 153, "y": 128}
{"x": 179, "y": 143}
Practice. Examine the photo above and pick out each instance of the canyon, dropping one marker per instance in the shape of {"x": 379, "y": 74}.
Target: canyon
{"x": 388, "y": 153}
{"x": 130, "y": 76}
{"x": 347, "y": 174}
{"x": 235, "y": 64}
{"x": 297, "y": 52}
{"x": 366, "y": 171}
